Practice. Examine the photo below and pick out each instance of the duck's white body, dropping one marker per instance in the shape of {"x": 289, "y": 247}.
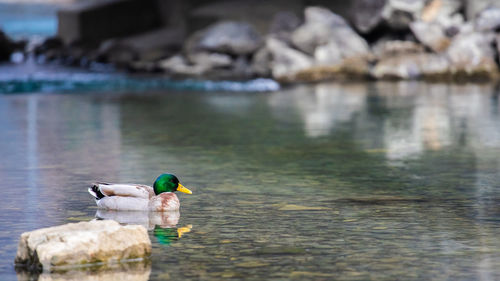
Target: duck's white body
{"x": 132, "y": 197}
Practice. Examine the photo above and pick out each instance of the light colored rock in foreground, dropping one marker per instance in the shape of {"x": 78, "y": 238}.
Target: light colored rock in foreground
{"x": 77, "y": 244}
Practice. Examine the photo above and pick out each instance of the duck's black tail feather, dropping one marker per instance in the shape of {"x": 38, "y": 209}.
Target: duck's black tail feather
{"x": 94, "y": 191}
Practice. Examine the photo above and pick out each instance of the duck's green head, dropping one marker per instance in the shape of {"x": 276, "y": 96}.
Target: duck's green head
{"x": 169, "y": 183}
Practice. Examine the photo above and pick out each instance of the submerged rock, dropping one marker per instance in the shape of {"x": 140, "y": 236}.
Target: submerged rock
{"x": 77, "y": 244}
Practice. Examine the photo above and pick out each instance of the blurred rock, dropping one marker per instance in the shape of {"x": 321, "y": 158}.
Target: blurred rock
{"x": 230, "y": 37}
{"x": 6, "y": 47}
{"x": 488, "y": 19}
{"x": 474, "y": 7}
{"x": 328, "y": 37}
{"x": 350, "y": 68}
{"x": 148, "y": 47}
{"x": 367, "y": 14}
{"x": 51, "y": 43}
{"x": 411, "y": 66}
{"x": 207, "y": 60}
{"x": 95, "y": 21}
{"x": 261, "y": 62}
{"x": 395, "y": 14}
{"x": 283, "y": 24}
{"x": 398, "y": 14}
{"x": 76, "y": 244}
{"x": 472, "y": 54}
{"x": 257, "y": 13}
{"x": 178, "y": 65}
{"x": 143, "y": 67}
{"x": 156, "y": 44}
{"x": 115, "y": 52}
{"x": 328, "y": 54}
{"x": 431, "y": 35}
{"x": 286, "y": 62}
{"x": 444, "y": 12}
{"x": 389, "y": 48}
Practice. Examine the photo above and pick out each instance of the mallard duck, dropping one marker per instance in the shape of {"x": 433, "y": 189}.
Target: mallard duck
{"x": 138, "y": 197}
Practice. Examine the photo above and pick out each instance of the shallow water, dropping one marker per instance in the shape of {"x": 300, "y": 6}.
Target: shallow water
{"x": 333, "y": 181}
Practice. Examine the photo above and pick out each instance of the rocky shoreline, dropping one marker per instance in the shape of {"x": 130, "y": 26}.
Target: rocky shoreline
{"x": 419, "y": 39}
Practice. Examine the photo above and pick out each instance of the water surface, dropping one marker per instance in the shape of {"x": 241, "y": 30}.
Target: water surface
{"x": 333, "y": 181}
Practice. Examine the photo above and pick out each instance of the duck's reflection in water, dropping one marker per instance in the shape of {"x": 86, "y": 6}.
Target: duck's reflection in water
{"x": 163, "y": 224}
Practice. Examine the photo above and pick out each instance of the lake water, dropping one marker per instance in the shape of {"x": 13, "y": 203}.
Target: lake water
{"x": 350, "y": 181}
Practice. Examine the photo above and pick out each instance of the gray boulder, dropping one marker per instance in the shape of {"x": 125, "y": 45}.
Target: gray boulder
{"x": 445, "y": 12}
{"x": 230, "y": 37}
{"x": 115, "y": 52}
{"x": 398, "y": 14}
{"x": 328, "y": 54}
{"x": 207, "y": 60}
{"x": 283, "y": 24}
{"x": 367, "y": 14}
{"x": 395, "y": 14}
{"x": 77, "y": 244}
{"x": 261, "y": 62}
{"x": 474, "y": 7}
{"x": 431, "y": 34}
{"x": 370, "y": 15}
{"x": 472, "y": 54}
{"x": 328, "y": 37}
{"x": 488, "y": 19}
{"x": 411, "y": 66}
{"x": 178, "y": 65}
{"x": 286, "y": 62}
{"x": 389, "y": 48}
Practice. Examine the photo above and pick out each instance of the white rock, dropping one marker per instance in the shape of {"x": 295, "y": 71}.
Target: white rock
{"x": 82, "y": 243}
{"x": 287, "y": 62}
{"x": 388, "y": 48}
{"x": 411, "y": 66}
{"x": 322, "y": 27}
{"x": 472, "y": 52}
{"x": 431, "y": 35}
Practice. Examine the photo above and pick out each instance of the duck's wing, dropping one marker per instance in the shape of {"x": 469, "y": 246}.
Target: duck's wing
{"x": 100, "y": 190}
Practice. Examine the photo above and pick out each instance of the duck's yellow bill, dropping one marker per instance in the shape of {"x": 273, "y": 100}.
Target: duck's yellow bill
{"x": 181, "y": 188}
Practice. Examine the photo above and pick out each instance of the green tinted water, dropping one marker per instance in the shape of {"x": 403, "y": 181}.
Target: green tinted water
{"x": 334, "y": 181}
